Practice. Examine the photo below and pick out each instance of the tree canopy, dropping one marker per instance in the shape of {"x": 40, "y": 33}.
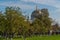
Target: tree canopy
{"x": 12, "y": 21}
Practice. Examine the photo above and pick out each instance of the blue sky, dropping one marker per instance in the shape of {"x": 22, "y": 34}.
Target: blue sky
{"x": 28, "y": 6}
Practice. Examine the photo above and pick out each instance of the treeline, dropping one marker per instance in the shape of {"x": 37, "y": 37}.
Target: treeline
{"x": 13, "y": 22}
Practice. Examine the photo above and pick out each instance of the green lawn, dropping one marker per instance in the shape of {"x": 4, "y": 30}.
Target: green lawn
{"x": 53, "y": 37}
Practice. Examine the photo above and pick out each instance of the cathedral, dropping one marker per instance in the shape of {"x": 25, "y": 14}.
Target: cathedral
{"x": 36, "y": 13}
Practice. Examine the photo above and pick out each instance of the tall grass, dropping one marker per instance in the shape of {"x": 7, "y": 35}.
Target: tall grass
{"x": 45, "y": 37}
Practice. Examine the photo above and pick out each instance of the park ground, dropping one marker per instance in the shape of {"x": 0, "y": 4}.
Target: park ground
{"x": 45, "y": 37}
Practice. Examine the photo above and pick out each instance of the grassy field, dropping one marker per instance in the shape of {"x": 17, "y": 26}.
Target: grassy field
{"x": 51, "y": 37}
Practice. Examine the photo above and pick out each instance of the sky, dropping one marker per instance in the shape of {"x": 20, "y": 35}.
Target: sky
{"x": 28, "y": 6}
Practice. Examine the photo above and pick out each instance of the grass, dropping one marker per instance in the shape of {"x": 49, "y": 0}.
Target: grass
{"x": 50, "y": 37}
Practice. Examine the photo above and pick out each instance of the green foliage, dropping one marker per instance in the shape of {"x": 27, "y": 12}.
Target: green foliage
{"x": 2, "y": 22}
{"x": 43, "y": 23}
{"x": 13, "y": 22}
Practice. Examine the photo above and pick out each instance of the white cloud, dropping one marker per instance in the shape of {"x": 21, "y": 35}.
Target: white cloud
{"x": 58, "y": 21}
{"x": 24, "y": 6}
{"x": 53, "y": 3}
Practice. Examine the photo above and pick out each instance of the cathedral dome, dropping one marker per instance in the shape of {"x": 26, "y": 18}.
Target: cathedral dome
{"x": 36, "y": 14}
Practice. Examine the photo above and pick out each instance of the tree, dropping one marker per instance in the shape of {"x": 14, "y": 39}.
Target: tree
{"x": 16, "y": 22}
{"x": 46, "y": 19}
{"x": 14, "y": 18}
{"x": 2, "y": 23}
{"x": 43, "y": 24}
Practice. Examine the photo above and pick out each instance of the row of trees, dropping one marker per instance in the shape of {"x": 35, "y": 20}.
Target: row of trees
{"x": 12, "y": 22}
